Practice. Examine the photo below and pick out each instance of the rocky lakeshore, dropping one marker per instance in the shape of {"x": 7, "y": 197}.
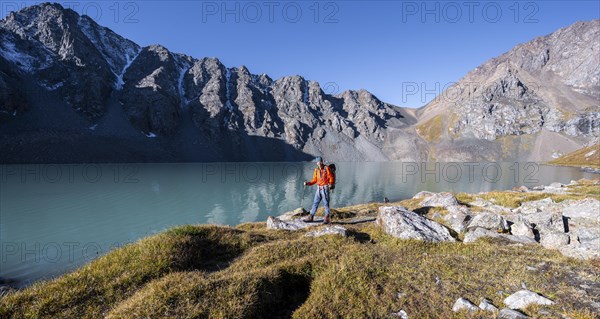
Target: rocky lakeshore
{"x": 524, "y": 253}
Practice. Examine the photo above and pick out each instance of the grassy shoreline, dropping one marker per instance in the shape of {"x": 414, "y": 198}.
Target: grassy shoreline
{"x": 585, "y": 157}
{"x": 248, "y": 271}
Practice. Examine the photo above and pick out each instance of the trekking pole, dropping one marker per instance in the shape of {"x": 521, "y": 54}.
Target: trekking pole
{"x": 303, "y": 193}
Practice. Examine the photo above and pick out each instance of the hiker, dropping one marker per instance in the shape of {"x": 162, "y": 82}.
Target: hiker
{"x": 324, "y": 177}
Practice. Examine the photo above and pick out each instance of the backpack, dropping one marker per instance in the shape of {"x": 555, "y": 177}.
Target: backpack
{"x": 332, "y": 170}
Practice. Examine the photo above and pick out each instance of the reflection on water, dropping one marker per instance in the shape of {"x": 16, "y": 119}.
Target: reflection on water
{"x": 53, "y": 218}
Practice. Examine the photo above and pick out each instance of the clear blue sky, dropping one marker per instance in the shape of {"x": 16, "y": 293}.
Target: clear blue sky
{"x": 381, "y": 46}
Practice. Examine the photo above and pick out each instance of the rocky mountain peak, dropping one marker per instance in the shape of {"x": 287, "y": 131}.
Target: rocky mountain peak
{"x": 547, "y": 86}
{"x": 201, "y": 109}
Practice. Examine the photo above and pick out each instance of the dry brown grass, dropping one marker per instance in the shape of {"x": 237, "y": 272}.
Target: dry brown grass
{"x": 587, "y": 156}
{"x": 431, "y": 130}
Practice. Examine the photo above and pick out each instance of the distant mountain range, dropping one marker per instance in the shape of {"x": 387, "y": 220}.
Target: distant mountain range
{"x": 74, "y": 91}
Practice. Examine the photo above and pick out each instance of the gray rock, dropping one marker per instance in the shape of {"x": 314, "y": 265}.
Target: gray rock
{"x": 487, "y": 305}
{"x": 520, "y": 228}
{"x": 400, "y": 314}
{"x": 474, "y": 234}
{"x": 542, "y": 214}
{"x": 464, "y": 304}
{"x": 423, "y": 194}
{"x": 522, "y": 189}
{"x": 328, "y": 230}
{"x": 585, "y": 209}
{"x": 439, "y": 200}
{"x": 587, "y": 237}
{"x": 556, "y": 185}
{"x": 298, "y": 212}
{"x": 458, "y": 217}
{"x": 507, "y": 313}
{"x": 295, "y": 224}
{"x": 488, "y": 221}
{"x": 552, "y": 239}
{"x": 582, "y": 253}
{"x": 535, "y": 206}
{"x": 523, "y": 298}
{"x": 480, "y": 202}
{"x": 583, "y": 222}
{"x": 404, "y": 224}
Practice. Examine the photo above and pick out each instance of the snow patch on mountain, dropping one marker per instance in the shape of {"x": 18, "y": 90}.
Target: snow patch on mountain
{"x": 129, "y": 58}
{"x": 184, "y": 67}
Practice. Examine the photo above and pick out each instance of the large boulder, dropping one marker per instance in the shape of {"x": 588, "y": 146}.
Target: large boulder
{"x": 489, "y": 206}
{"x": 294, "y": 224}
{"x": 437, "y": 199}
{"x": 458, "y": 217}
{"x": 544, "y": 213}
{"x": 585, "y": 209}
{"x": 536, "y": 206}
{"x": 520, "y": 228}
{"x": 328, "y": 230}
{"x": 423, "y": 194}
{"x": 587, "y": 237}
{"x": 523, "y": 298}
{"x": 583, "y": 221}
{"x": 488, "y": 221}
{"x": 579, "y": 252}
{"x": 553, "y": 239}
{"x": 405, "y": 224}
{"x": 298, "y": 212}
{"x": 474, "y": 234}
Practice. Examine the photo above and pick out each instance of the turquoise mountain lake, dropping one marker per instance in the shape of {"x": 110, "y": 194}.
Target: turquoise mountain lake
{"x": 54, "y": 218}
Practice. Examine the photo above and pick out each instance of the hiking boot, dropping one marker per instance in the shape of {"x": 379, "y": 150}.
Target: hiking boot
{"x": 309, "y": 218}
{"x": 326, "y": 220}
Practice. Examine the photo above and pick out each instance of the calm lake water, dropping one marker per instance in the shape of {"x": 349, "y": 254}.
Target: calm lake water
{"x": 54, "y": 218}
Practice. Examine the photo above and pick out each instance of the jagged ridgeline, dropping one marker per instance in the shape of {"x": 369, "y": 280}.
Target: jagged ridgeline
{"x": 74, "y": 91}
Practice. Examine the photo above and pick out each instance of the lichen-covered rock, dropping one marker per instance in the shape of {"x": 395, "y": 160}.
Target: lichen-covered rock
{"x": 487, "y": 305}
{"x": 520, "y": 228}
{"x": 298, "y": 212}
{"x": 404, "y": 224}
{"x": 523, "y": 298}
{"x": 328, "y": 230}
{"x": 295, "y": 224}
{"x": 458, "y": 217}
{"x": 443, "y": 199}
{"x": 464, "y": 304}
{"x": 507, "y": 313}
{"x": 488, "y": 221}
{"x": 552, "y": 239}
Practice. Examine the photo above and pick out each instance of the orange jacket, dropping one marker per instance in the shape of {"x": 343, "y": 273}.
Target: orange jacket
{"x": 322, "y": 177}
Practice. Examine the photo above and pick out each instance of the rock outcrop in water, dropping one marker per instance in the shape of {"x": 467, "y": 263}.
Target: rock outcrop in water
{"x": 150, "y": 104}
